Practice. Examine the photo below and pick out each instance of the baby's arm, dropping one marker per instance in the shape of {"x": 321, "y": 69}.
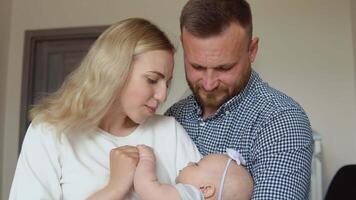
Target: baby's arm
{"x": 145, "y": 181}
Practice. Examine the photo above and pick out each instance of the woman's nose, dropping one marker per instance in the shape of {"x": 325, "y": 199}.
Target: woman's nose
{"x": 161, "y": 93}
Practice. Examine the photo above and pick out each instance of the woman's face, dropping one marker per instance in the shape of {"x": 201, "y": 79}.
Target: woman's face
{"x": 147, "y": 85}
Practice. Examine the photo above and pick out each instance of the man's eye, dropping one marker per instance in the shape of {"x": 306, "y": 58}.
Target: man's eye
{"x": 223, "y": 69}
{"x": 197, "y": 67}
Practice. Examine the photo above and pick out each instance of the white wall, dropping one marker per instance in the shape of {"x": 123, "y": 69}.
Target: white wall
{"x": 5, "y": 8}
{"x": 306, "y": 51}
{"x": 353, "y": 20}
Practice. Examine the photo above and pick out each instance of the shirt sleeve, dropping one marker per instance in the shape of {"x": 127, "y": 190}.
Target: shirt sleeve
{"x": 188, "y": 192}
{"x": 281, "y": 161}
{"x": 186, "y": 149}
{"x": 38, "y": 170}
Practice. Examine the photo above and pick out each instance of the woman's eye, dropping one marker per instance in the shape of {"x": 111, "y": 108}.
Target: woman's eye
{"x": 152, "y": 81}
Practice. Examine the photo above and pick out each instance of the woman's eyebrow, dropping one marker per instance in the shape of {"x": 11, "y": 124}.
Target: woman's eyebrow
{"x": 158, "y": 73}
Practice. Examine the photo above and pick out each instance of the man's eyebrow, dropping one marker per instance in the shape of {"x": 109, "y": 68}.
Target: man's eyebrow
{"x": 228, "y": 65}
{"x": 195, "y": 65}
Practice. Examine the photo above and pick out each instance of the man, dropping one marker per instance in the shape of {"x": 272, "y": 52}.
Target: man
{"x": 232, "y": 108}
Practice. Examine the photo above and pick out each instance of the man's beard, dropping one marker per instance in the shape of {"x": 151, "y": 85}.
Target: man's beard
{"x": 212, "y": 99}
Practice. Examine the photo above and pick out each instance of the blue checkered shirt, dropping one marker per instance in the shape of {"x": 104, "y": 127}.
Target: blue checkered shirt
{"x": 269, "y": 129}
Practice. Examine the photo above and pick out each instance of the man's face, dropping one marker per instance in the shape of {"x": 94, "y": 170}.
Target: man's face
{"x": 218, "y": 67}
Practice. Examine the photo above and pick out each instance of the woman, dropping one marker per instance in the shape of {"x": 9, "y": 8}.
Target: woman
{"x": 81, "y": 142}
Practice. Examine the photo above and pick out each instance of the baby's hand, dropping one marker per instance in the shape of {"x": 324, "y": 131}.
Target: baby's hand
{"x": 146, "y": 153}
{"x": 145, "y": 171}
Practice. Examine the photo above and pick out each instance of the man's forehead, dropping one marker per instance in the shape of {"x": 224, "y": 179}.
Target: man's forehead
{"x": 234, "y": 30}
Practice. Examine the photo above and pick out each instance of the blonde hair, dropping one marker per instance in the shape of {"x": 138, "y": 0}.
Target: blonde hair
{"x": 88, "y": 92}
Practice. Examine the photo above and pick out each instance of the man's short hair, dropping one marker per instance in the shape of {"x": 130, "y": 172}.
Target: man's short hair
{"x": 205, "y": 18}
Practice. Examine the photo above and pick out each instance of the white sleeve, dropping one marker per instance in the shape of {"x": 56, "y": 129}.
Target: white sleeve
{"x": 38, "y": 170}
{"x": 188, "y": 192}
{"x": 186, "y": 149}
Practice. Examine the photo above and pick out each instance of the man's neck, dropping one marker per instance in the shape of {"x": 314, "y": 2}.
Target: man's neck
{"x": 209, "y": 111}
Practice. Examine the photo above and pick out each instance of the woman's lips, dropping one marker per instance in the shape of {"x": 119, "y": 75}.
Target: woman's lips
{"x": 151, "y": 109}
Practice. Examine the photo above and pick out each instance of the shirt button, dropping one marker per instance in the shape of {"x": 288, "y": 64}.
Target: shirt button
{"x": 202, "y": 124}
{"x": 227, "y": 112}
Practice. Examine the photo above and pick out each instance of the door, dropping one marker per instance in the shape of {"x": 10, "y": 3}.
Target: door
{"x": 50, "y": 55}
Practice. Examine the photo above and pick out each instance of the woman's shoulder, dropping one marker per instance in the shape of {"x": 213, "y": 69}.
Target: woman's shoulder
{"x": 159, "y": 120}
{"x": 41, "y": 126}
{"x": 159, "y": 124}
{"x": 41, "y": 133}
{"x": 40, "y": 129}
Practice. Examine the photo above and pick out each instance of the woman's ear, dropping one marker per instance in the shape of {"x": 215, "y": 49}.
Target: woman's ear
{"x": 208, "y": 190}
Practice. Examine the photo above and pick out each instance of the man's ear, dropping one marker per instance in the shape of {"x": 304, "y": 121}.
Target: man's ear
{"x": 252, "y": 52}
{"x": 208, "y": 190}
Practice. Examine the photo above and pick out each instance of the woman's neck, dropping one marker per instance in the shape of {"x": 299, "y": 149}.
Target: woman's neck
{"x": 118, "y": 124}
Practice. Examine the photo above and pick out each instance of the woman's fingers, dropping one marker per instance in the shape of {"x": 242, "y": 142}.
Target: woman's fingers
{"x": 125, "y": 154}
{"x": 123, "y": 163}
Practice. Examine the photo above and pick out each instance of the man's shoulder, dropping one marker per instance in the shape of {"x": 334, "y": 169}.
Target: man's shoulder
{"x": 182, "y": 107}
{"x": 274, "y": 99}
{"x": 281, "y": 110}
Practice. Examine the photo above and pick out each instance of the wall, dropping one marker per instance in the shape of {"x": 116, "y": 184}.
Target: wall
{"x": 305, "y": 51}
{"x": 5, "y": 8}
{"x": 353, "y": 20}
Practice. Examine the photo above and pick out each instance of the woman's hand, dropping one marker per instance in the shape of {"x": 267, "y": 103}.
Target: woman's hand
{"x": 123, "y": 162}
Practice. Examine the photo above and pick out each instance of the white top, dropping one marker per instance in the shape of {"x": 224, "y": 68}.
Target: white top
{"x": 189, "y": 192}
{"x": 74, "y": 166}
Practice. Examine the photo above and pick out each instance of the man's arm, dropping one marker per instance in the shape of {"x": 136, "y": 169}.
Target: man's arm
{"x": 282, "y": 157}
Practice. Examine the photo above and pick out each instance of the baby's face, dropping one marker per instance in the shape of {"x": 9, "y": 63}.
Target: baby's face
{"x": 198, "y": 173}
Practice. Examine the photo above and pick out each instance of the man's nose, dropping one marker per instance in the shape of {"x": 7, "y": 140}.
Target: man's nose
{"x": 210, "y": 81}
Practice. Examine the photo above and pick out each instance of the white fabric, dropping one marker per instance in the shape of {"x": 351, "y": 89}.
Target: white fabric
{"x": 189, "y": 192}
{"x": 76, "y": 165}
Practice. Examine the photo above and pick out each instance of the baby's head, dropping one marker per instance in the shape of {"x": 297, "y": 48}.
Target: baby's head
{"x": 208, "y": 173}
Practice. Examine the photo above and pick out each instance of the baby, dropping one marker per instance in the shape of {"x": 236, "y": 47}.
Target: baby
{"x": 215, "y": 176}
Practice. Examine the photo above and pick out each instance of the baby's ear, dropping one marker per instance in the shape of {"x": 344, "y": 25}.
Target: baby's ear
{"x": 208, "y": 190}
